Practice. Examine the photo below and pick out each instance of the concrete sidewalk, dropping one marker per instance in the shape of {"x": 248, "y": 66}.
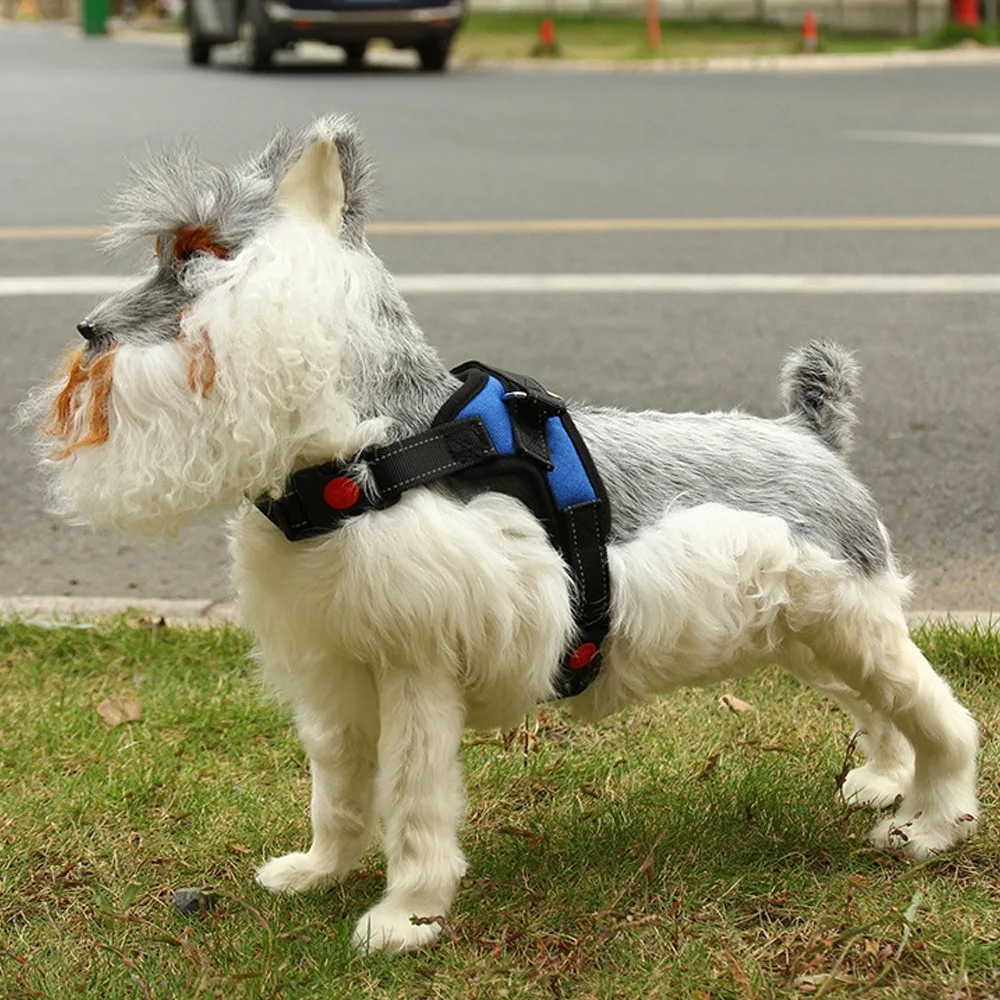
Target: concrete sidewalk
{"x": 853, "y": 62}
{"x": 54, "y": 608}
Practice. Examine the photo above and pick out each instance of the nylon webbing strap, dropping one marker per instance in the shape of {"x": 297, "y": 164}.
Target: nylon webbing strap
{"x": 587, "y": 557}
{"x": 433, "y": 454}
{"x": 318, "y": 499}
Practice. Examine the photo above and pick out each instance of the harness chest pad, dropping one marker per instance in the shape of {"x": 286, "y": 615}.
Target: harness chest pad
{"x": 498, "y": 431}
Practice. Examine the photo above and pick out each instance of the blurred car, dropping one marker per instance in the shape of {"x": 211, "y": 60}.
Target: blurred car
{"x": 264, "y": 26}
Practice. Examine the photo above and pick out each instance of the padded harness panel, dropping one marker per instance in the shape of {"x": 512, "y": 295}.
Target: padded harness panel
{"x": 498, "y": 431}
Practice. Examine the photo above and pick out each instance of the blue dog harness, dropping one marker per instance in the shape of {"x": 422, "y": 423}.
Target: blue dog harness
{"x": 498, "y": 431}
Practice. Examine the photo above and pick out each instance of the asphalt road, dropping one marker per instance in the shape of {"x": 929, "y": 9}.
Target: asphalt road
{"x": 503, "y": 146}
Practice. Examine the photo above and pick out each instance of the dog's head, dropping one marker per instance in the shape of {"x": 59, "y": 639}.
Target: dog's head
{"x": 221, "y": 370}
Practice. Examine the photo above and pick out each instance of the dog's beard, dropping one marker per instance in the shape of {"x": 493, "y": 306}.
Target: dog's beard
{"x": 133, "y": 436}
{"x": 144, "y": 437}
{"x": 78, "y": 416}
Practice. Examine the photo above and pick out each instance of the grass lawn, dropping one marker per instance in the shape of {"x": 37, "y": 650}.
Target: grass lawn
{"x": 506, "y": 36}
{"x": 682, "y": 851}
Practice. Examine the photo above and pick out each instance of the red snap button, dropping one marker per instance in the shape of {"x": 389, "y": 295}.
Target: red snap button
{"x": 582, "y": 655}
{"x": 341, "y": 493}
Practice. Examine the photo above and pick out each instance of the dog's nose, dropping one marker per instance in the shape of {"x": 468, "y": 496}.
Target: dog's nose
{"x": 86, "y": 329}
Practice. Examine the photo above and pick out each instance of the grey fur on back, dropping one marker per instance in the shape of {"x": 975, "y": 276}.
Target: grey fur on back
{"x": 789, "y": 468}
{"x": 653, "y": 462}
{"x": 818, "y": 382}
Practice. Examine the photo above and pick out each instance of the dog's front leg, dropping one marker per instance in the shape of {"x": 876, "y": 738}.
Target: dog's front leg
{"x": 340, "y": 738}
{"x": 422, "y": 801}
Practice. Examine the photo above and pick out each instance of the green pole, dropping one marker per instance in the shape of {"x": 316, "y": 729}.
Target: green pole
{"x": 94, "y": 15}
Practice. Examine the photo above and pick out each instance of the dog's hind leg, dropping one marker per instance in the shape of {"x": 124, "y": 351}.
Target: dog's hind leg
{"x": 887, "y": 773}
{"x": 941, "y": 807}
{"x": 421, "y": 799}
{"x": 339, "y": 735}
{"x": 865, "y": 643}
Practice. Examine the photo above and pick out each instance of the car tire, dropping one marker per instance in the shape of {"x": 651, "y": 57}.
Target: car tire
{"x": 199, "y": 51}
{"x": 434, "y": 54}
{"x": 354, "y": 52}
{"x": 258, "y": 49}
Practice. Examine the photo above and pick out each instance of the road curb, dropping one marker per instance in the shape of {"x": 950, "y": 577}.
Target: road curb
{"x": 860, "y": 62}
{"x": 988, "y": 621}
{"x": 208, "y": 612}
{"x": 53, "y": 608}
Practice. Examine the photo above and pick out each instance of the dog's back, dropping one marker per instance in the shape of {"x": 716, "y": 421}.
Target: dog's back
{"x": 790, "y": 467}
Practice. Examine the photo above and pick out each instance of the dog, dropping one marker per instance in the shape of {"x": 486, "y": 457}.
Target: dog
{"x": 267, "y": 337}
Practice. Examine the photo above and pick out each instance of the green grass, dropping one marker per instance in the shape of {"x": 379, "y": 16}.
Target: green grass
{"x": 679, "y": 851}
{"x": 957, "y": 34}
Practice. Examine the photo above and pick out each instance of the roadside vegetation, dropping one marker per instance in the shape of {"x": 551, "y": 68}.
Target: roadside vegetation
{"x": 577, "y": 36}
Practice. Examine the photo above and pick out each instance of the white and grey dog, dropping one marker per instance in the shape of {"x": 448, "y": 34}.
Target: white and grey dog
{"x": 267, "y": 337}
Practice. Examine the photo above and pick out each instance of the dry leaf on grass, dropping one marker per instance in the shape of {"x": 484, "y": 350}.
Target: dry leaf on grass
{"x": 46, "y": 623}
{"x": 734, "y": 704}
{"x": 117, "y": 711}
{"x": 710, "y": 765}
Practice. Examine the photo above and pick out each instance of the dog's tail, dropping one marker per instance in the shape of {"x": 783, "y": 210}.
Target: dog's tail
{"x": 818, "y": 383}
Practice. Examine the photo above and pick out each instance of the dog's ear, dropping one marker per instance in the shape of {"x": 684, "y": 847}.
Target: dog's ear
{"x": 326, "y": 176}
{"x": 312, "y": 186}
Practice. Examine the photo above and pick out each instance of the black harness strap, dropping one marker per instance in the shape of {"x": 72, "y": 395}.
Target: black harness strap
{"x": 506, "y": 446}
{"x": 319, "y": 499}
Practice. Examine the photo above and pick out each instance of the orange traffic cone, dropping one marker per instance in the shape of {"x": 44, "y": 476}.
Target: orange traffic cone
{"x": 810, "y": 33}
{"x": 546, "y": 44}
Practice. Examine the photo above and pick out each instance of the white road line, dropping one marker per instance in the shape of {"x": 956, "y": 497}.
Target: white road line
{"x": 980, "y": 139}
{"x": 774, "y": 284}
{"x": 586, "y": 284}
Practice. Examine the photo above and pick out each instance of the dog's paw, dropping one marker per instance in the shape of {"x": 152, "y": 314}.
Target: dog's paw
{"x": 294, "y": 872}
{"x": 390, "y": 927}
{"x": 921, "y": 834}
{"x": 865, "y": 786}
